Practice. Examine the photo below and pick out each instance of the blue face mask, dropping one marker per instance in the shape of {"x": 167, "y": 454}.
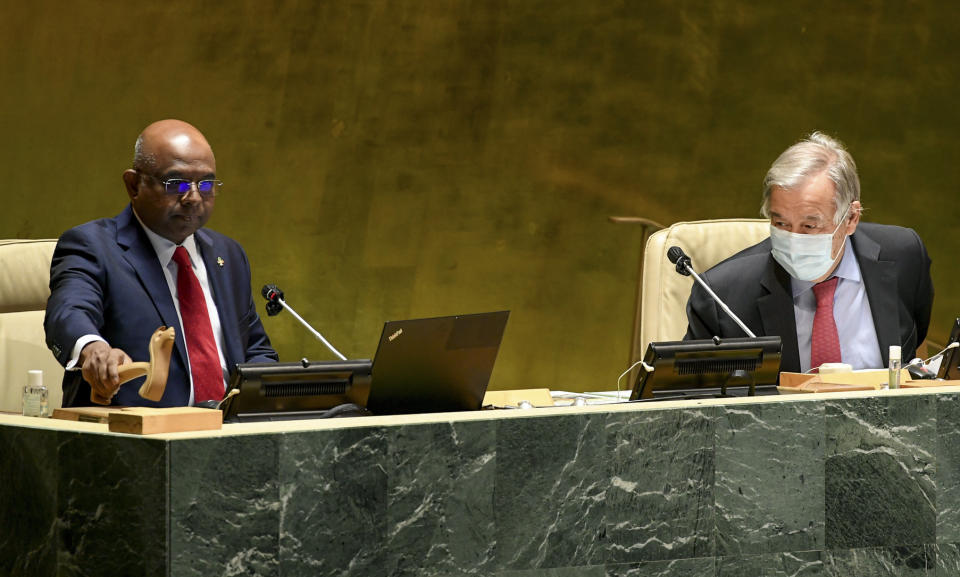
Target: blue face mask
{"x": 805, "y": 256}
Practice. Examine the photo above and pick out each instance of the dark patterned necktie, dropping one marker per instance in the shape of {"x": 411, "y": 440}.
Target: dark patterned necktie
{"x": 824, "y": 342}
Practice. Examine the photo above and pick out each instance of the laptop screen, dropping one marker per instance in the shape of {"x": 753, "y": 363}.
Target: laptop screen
{"x": 435, "y": 365}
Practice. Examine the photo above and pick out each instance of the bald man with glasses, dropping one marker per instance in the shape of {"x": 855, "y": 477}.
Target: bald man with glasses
{"x": 113, "y": 281}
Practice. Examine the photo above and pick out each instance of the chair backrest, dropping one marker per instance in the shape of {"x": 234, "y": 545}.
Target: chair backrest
{"x": 24, "y": 288}
{"x": 665, "y": 292}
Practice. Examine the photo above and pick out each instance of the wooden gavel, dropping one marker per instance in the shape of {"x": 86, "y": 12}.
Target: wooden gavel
{"x": 157, "y": 370}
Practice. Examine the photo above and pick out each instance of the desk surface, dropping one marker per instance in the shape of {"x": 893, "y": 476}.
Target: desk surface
{"x": 256, "y": 428}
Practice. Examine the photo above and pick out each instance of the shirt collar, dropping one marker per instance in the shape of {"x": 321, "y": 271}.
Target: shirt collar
{"x": 848, "y": 269}
{"x": 165, "y": 248}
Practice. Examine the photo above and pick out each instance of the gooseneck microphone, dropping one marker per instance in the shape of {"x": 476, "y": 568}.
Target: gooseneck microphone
{"x": 275, "y": 304}
{"x": 951, "y": 346}
{"x": 676, "y": 256}
{"x": 680, "y": 258}
{"x": 920, "y": 368}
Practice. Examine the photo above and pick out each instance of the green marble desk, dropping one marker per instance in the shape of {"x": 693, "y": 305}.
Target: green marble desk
{"x": 835, "y": 484}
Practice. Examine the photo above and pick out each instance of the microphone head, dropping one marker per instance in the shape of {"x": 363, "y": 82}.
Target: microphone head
{"x": 271, "y": 292}
{"x": 676, "y": 255}
{"x": 273, "y": 295}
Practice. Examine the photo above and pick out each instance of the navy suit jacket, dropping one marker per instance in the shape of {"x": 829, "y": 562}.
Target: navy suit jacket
{"x": 105, "y": 279}
{"x": 896, "y": 274}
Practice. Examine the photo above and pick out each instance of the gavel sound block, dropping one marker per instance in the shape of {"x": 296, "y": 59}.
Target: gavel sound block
{"x": 157, "y": 370}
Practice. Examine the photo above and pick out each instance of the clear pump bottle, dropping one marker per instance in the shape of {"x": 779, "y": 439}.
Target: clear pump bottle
{"x": 35, "y": 395}
{"x": 893, "y": 379}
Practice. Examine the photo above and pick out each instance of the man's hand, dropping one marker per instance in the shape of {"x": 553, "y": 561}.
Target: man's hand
{"x": 99, "y": 362}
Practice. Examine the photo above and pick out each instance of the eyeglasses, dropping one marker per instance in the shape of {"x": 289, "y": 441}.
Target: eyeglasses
{"x": 181, "y": 186}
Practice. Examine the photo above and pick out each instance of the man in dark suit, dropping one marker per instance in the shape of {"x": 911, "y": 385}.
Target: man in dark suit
{"x": 113, "y": 281}
{"x": 828, "y": 299}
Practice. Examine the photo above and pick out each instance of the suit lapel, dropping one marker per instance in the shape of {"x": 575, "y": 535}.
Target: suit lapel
{"x": 139, "y": 253}
{"x": 880, "y": 281}
{"x": 776, "y": 314}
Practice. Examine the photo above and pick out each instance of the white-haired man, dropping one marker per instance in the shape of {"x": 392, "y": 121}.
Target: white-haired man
{"x": 828, "y": 299}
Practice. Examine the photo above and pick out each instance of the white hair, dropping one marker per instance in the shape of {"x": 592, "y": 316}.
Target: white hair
{"x": 816, "y": 154}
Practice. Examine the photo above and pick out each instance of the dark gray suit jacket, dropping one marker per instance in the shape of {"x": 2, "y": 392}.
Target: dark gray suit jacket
{"x": 895, "y": 269}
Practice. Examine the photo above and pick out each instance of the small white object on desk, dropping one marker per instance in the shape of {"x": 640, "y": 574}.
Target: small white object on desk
{"x": 592, "y": 398}
{"x": 834, "y": 368}
{"x": 35, "y": 396}
{"x": 894, "y": 369}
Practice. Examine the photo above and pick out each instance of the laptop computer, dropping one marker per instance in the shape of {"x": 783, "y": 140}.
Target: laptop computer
{"x": 421, "y": 365}
{"x": 435, "y": 365}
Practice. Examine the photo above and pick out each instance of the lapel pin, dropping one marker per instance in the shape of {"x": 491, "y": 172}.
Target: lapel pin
{"x": 220, "y": 261}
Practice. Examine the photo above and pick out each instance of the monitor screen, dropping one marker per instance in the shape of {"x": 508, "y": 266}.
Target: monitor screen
{"x": 950, "y": 364}
{"x": 280, "y": 391}
{"x": 707, "y": 367}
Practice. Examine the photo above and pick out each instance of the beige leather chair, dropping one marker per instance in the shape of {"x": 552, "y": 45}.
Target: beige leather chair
{"x": 24, "y": 288}
{"x": 665, "y": 292}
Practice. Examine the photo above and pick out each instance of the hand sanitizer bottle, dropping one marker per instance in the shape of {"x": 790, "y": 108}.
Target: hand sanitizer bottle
{"x": 893, "y": 378}
{"x": 35, "y": 395}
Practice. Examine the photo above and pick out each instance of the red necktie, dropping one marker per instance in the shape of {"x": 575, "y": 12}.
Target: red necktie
{"x": 824, "y": 342}
{"x": 201, "y": 346}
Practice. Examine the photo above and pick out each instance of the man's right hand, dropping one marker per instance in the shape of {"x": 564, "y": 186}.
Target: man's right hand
{"x": 99, "y": 362}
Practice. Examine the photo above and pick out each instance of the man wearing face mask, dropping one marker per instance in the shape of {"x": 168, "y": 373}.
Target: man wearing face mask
{"x": 833, "y": 288}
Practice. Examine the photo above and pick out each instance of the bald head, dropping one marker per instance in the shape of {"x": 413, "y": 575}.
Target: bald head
{"x": 157, "y": 135}
{"x": 166, "y": 150}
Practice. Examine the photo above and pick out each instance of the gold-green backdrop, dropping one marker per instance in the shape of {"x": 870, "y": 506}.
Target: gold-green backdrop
{"x": 388, "y": 160}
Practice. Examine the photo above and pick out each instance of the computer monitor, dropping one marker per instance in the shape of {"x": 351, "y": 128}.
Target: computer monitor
{"x": 950, "y": 364}
{"x": 282, "y": 391}
{"x": 708, "y": 367}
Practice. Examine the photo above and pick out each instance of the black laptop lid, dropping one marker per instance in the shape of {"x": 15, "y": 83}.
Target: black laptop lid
{"x": 435, "y": 365}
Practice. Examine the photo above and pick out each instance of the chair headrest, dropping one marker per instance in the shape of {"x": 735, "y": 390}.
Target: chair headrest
{"x": 25, "y": 274}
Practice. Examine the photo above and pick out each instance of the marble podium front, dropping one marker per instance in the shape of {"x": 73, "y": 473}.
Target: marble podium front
{"x": 830, "y": 484}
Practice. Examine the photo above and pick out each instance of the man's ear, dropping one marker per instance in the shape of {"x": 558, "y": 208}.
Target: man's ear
{"x": 854, "y": 218}
{"x": 131, "y": 180}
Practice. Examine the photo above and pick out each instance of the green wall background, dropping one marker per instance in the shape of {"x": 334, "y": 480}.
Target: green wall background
{"x": 388, "y": 160}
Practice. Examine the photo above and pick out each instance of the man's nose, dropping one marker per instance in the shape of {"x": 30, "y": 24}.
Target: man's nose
{"x": 192, "y": 196}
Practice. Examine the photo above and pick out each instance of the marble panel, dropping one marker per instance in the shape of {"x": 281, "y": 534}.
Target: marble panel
{"x": 739, "y": 566}
{"x": 549, "y": 489}
{"x": 794, "y": 564}
{"x": 660, "y": 503}
{"x": 28, "y": 501}
{"x": 787, "y": 564}
{"x": 590, "y": 571}
{"x": 879, "y": 472}
{"x": 440, "y": 481}
{"x": 770, "y": 478}
{"x": 913, "y": 561}
{"x": 333, "y": 491}
{"x": 948, "y": 468}
{"x": 700, "y": 566}
{"x": 947, "y": 560}
{"x": 224, "y": 506}
{"x": 112, "y": 503}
